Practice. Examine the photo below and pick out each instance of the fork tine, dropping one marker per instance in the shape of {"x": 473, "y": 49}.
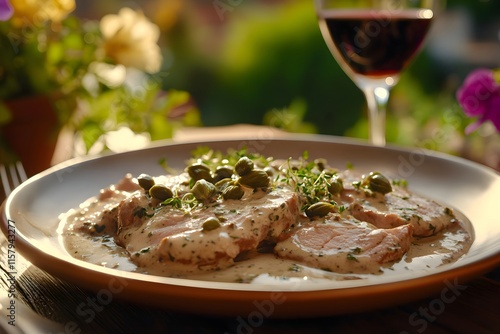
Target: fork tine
{"x": 21, "y": 172}
{"x": 5, "y": 180}
{"x": 12, "y": 177}
{"x": 17, "y": 174}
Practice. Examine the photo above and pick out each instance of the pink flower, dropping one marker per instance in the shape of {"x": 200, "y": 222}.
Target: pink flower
{"x": 479, "y": 96}
{"x": 6, "y": 10}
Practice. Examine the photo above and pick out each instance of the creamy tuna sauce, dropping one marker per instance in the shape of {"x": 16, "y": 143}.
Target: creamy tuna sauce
{"x": 252, "y": 266}
{"x": 425, "y": 253}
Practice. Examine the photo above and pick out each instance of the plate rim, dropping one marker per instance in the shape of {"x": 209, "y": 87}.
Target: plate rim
{"x": 465, "y": 271}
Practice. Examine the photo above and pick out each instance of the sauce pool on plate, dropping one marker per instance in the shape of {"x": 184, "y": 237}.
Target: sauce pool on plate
{"x": 240, "y": 217}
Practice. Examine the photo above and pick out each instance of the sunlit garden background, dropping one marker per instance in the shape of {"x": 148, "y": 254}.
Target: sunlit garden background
{"x": 266, "y": 63}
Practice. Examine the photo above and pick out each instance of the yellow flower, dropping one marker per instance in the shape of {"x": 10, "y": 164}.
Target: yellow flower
{"x": 35, "y": 12}
{"x": 131, "y": 39}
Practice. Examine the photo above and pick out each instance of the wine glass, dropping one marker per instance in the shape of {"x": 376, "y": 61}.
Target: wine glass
{"x": 373, "y": 41}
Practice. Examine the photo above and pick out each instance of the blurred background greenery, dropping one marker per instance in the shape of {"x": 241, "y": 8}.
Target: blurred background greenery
{"x": 265, "y": 62}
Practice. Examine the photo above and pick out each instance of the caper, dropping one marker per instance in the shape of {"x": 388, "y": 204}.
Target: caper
{"x": 210, "y": 224}
{"x": 243, "y": 166}
{"x": 335, "y": 186}
{"x": 223, "y": 172}
{"x": 256, "y": 178}
{"x": 321, "y": 163}
{"x": 160, "y": 192}
{"x": 199, "y": 171}
{"x": 221, "y": 185}
{"x": 203, "y": 190}
{"x": 330, "y": 171}
{"x": 377, "y": 182}
{"x": 146, "y": 181}
{"x": 233, "y": 192}
{"x": 319, "y": 209}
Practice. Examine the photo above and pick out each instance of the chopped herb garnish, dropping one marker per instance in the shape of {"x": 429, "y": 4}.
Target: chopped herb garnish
{"x": 400, "y": 183}
{"x": 351, "y": 257}
{"x": 356, "y": 250}
{"x": 309, "y": 179}
{"x": 139, "y": 212}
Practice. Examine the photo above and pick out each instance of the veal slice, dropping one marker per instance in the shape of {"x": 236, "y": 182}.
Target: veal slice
{"x": 343, "y": 244}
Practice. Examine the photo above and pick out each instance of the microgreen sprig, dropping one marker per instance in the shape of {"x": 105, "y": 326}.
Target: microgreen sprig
{"x": 185, "y": 203}
{"x": 307, "y": 179}
{"x": 213, "y": 158}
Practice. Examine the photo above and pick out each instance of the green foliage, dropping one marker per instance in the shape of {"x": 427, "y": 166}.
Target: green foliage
{"x": 271, "y": 58}
{"x": 482, "y": 11}
{"x": 154, "y": 111}
{"x": 38, "y": 60}
{"x": 290, "y": 119}
{"x": 92, "y": 93}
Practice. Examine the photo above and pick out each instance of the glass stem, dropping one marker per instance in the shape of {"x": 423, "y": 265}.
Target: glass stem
{"x": 376, "y": 98}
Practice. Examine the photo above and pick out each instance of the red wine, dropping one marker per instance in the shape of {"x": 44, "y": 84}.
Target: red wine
{"x": 373, "y": 43}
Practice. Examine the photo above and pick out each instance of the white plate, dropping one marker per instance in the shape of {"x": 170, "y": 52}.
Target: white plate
{"x": 473, "y": 189}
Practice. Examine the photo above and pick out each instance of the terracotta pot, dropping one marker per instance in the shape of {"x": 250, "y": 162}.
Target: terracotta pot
{"x": 32, "y": 132}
